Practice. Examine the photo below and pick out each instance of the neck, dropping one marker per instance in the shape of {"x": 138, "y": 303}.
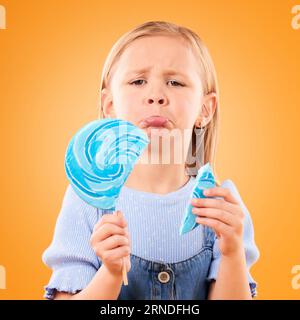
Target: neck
{"x": 157, "y": 178}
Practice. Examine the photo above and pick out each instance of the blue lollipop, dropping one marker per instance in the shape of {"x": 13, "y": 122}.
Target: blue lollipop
{"x": 99, "y": 159}
{"x": 204, "y": 180}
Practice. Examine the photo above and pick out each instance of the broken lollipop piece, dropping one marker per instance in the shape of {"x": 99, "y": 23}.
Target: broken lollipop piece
{"x": 204, "y": 180}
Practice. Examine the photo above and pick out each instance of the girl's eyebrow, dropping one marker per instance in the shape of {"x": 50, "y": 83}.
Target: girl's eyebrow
{"x": 169, "y": 72}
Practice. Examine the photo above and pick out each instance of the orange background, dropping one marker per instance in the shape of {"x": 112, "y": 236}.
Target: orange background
{"x": 51, "y": 55}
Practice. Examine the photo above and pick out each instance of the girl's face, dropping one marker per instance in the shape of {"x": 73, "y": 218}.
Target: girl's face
{"x": 157, "y": 76}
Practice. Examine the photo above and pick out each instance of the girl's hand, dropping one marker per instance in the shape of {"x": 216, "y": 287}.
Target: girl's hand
{"x": 111, "y": 242}
{"x": 225, "y": 216}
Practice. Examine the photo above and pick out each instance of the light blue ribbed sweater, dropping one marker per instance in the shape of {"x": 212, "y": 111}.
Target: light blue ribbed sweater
{"x": 153, "y": 223}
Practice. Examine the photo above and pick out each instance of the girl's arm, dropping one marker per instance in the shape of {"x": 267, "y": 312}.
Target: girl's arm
{"x": 103, "y": 286}
{"x": 232, "y": 282}
{"x": 75, "y": 264}
{"x": 226, "y": 216}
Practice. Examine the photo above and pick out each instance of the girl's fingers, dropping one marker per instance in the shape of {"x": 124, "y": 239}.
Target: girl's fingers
{"x": 111, "y": 218}
{"x": 218, "y": 226}
{"x": 113, "y": 242}
{"x": 221, "y": 192}
{"x": 220, "y": 204}
{"x": 116, "y": 253}
{"x": 221, "y": 215}
{"x": 106, "y": 230}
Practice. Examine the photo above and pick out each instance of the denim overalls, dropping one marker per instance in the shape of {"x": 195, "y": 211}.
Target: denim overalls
{"x": 154, "y": 280}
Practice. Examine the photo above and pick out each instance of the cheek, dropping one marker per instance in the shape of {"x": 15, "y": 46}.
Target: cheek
{"x": 185, "y": 111}
{"x": 128, "y": 106}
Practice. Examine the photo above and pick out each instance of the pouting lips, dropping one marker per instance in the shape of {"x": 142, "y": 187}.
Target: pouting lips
{"x": 154, "y": 121}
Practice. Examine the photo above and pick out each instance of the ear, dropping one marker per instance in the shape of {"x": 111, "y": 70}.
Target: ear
{"x": 107, "y": 103}
{"x": 209, "y": 104}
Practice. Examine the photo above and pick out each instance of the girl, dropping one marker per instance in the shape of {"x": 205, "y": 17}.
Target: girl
{"x": 158, "y": 76}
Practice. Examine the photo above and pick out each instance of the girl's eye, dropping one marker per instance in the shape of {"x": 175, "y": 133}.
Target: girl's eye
{"x": 176, "y": 82}
{"x": 138, "y": 81}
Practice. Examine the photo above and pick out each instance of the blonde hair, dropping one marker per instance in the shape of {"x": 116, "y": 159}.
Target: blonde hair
{"x": 208, "y": 75}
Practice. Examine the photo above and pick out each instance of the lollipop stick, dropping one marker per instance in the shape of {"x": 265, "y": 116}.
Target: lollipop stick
{"x": 125, "y": 280}
{"x": 124, "y": 272}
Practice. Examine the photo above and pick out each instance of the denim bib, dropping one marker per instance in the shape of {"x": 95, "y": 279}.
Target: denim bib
{"x": 155, "y": 280}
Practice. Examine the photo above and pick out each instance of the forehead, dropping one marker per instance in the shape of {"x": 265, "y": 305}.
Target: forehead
{"x": 150, "y": 52}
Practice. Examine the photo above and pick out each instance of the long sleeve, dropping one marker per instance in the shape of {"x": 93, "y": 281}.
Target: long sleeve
{"x": 251, "y": 251}
{"x": 70, "y": 256}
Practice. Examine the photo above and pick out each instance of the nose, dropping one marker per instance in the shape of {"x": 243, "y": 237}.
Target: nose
{"x": 161, "y": 101}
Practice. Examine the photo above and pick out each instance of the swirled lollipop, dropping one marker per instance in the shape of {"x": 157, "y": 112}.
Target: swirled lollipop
{"x": 204, "y": 180}
{"x": 99, "y": 159}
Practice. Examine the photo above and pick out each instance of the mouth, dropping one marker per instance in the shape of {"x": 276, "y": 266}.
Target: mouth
{"x": 155, "y": 122}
